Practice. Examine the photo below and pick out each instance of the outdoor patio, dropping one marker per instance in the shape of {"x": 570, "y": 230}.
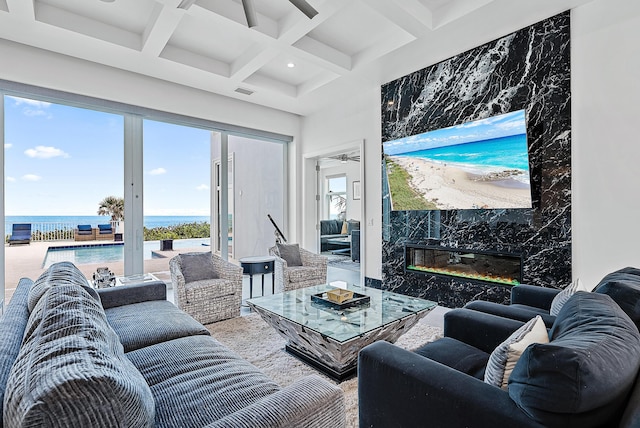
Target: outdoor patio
{"x": 27, "y": 261}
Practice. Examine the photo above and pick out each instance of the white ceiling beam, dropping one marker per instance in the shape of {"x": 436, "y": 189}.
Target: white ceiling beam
{"x": 22, "y": 9}
{"x": 234, "y": 12}
{"x": 251, "y": 61}
{"x": 386, "y": 44}
{"x": 454, "y": 10}
{"x": 316, "y": 82}
{"x": 393, "y": 11}
{"x": 418, "y": 10}
{"x": 87, "y": 26}
{"x": 323, "y": 55}
{"x": 160, "y": 27}
{"x": 191, "y": 59}
{"x": 295, "y": 25}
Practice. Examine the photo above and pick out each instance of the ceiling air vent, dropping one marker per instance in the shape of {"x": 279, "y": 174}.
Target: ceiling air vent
{"x": 244, "y": 91}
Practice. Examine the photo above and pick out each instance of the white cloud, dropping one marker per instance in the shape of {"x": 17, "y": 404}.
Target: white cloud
{"x": 33, "y": 103}
{"x": 31, "y": 177}
{"x": 202, "y": 187}
{"x": 11, "y": 179}
{"x": 8, "y": 145}
{"x": 44, "y": 152}
{"x": 158, "y": 171}
{"x": 32, "y": 107}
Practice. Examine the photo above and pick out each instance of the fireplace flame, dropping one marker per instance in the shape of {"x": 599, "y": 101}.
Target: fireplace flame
{"x": 451, "y": 272}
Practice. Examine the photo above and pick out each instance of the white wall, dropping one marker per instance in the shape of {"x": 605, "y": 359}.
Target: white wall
{"x": 605, "y": 67}
{"x": 353, "y": 119}
{"x": 258, "y": 190}
{"x": 605, "y": 74}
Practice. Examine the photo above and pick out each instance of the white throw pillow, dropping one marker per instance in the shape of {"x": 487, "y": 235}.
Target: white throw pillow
{"x": 505, "y": 357}
{"x": 562, "y": 297}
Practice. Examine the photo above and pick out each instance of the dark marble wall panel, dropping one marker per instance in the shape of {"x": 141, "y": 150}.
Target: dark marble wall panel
{"x": 527, "y": 69}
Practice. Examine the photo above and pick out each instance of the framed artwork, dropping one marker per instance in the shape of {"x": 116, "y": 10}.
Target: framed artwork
{"x": 356, "y": 190}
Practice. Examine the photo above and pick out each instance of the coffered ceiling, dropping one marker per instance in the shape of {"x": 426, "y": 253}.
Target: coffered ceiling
{"x": 287, "y": 61}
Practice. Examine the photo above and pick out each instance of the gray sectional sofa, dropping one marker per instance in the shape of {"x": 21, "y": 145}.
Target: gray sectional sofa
{"x": 126, "y": 357}
{"x": 333, "y": 229}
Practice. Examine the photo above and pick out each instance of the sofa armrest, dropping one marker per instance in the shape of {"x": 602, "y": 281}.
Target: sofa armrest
{"x": 532, "y": 295}
{"x": 399, "y": 388}
{"x": 309, "y": 402}
{"x": 478, "y": 329}
{"x": 130, "y": 294}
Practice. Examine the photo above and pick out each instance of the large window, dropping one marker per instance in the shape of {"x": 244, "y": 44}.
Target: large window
{"x": 65, "y": 159}
{"x": 336, "y": 197}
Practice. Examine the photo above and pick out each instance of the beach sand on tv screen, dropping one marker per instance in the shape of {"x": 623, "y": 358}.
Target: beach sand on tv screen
{"x": 450, "y": 187}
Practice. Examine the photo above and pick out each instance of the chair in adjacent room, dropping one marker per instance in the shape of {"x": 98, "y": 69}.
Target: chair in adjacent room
{"x": 207, "y": 287}
{"x": 296, "y": 267}
{"x": 20, "y": 233}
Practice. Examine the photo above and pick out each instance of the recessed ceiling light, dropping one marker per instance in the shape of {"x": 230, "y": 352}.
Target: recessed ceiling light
{"x": 108, "y": 1}
{"x": 291, "y": 65}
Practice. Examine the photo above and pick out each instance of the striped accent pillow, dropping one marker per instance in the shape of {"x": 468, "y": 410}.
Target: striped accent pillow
{"x": 71, "y": 370}
{"x": 505, "y": 357}
{"x": 562, "y": 297}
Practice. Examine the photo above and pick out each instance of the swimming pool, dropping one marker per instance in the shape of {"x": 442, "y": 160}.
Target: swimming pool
{"x": 110, "y": 252}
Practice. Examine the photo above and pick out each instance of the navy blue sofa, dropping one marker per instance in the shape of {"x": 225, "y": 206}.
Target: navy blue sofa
{"x": 584, "y": 377}
{"x": 527, "y": 301}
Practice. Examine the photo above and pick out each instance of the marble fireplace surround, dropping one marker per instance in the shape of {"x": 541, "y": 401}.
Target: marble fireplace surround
{"x": 528, "y": 69}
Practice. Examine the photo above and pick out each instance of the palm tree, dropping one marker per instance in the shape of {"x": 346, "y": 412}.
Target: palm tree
{"x": 112, "y": 206}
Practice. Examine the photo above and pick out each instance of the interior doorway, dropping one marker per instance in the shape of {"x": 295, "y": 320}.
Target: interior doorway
{"x": 334, "y": 199}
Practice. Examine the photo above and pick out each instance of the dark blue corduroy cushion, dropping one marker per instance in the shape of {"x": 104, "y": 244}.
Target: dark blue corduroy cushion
{"x": 84, "y": 227}
{"x": 587, "y": 369}
{"x": 457, "y": 355}
{"x": 623, "y": 286}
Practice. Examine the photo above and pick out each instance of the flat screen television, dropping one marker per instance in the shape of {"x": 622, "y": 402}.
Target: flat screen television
{"x": 483, "y": 164}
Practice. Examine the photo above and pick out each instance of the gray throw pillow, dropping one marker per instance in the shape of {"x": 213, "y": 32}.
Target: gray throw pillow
{"x": 504, "y": 358}
{"x": 290, "y": 253}
{"x": 71, "y": 370}
{"x": 197, "y": 267}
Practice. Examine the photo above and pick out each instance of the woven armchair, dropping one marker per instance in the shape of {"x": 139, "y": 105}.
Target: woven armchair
{"x": 312, "y": 272}
{"x": 210, "y": 299}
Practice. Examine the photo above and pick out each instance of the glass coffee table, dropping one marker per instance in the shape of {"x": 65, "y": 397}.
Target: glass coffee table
{"x": 328, "y": 337}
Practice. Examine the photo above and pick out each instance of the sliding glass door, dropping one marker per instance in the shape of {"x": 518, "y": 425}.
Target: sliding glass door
{"x": 92, "y": 178}
{"x": 255, "y": 184}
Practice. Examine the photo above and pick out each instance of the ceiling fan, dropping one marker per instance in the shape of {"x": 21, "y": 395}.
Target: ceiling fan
{"x": 250, "y": 11}
{"x": 344, "y": 158}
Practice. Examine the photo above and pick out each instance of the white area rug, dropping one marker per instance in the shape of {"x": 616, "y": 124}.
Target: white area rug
{"x": 258, "y": 343}
{"x": 342, "y": 262}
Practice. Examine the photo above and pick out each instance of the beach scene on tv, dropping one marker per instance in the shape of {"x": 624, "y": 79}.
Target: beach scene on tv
{"x": 483, "y": 164}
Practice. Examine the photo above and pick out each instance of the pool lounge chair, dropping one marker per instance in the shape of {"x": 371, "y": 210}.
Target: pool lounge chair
{"x": 84, "y": 232}
{"x": 20, "y": 234}
{"x": 104, "y": 232}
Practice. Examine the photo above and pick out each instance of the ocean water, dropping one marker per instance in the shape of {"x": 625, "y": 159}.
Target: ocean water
{"x": 499, "y": 153}
{"x": 149, "y": 221}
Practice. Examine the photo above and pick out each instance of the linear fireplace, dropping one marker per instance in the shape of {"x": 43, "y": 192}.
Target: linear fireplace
{"x": 487, "y": 266}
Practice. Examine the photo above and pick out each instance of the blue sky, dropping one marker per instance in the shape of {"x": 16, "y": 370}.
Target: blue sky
{"x": 62, "y": 160}
{"x": 503, "y": 125}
